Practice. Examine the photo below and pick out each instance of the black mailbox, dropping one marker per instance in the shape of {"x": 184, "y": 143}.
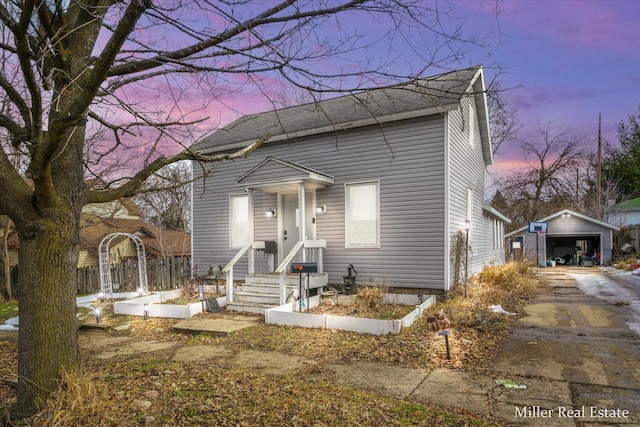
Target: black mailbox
{"x": 270, "y": 247}
{"x": 304, "y": 267}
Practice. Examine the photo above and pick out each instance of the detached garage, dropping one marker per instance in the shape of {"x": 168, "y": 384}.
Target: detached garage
{"x": 570, "y": 239}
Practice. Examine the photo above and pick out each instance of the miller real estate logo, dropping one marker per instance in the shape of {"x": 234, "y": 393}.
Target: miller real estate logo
{"x": 582, "y": 412}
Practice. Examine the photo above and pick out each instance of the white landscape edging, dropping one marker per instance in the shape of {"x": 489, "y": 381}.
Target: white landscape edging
{"x": 136, "y": 306}
{"x": 285, "y": 316}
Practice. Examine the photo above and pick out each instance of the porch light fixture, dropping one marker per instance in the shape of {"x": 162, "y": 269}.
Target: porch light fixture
{"x": 145, "y": 310}
{"x": 97, "y": 312}
{"x": 140, "y": 291}
{"x": 101, "y": 296}
{"x": 270, "y": 213}
{"x": 321, "y": 209}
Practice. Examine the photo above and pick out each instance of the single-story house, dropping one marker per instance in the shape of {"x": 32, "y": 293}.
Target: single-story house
{"x": 384, "y": 182}
{"x": 570, "y": 239}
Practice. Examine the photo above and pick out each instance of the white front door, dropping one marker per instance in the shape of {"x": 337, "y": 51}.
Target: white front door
{"x": 290, "y": 231}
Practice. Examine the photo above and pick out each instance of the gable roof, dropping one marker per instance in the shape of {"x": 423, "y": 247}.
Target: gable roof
{"x": 564, "y": 212}
{"x": 276, "y": 175}
{"x": 419, "y": 98}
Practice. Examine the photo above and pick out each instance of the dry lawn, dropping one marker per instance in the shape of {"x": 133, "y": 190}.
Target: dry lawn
{"x": 153, "y": 389}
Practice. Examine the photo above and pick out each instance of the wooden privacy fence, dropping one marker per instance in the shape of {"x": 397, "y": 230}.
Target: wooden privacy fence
{"x": 162, "y": 274}
{"x": 629, "y": 234}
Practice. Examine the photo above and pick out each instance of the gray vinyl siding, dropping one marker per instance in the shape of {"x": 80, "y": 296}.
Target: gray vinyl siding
{"x": 408, "y": 160}
{"x": 487, "y": 251}
{"x": 623, "y": 217}
{"x": 466, "y": 170}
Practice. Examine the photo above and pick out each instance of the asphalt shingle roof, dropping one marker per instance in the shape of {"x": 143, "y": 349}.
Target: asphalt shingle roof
{"x": 442, "y": 92}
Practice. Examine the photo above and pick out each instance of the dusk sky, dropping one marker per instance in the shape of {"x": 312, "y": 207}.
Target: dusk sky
{"x": 569, "y": 61}
{"x": 566, "y": 61}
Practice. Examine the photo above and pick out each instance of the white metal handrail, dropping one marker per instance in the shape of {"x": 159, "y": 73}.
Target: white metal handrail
{"x": 308, "y": 245}
{"x": 282, "y": 270}
{"x": 283, "y": 265}
{"x": 228, "y": 270}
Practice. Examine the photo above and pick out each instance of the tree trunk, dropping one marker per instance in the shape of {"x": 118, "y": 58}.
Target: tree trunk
{"x": 6, "y": 261}
{"x": 48, "y": 336}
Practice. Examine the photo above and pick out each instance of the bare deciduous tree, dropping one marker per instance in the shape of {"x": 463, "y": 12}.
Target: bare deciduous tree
{"x": 547, "y": 182}
{"x": 171, "y": 207}
{"x": 141, "y": 74}
{"x": 504, "y": 121}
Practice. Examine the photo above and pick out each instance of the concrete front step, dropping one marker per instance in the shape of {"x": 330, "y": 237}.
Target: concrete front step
{"x": 258, "y": 297}
{"x": 316, "y": 280}
{"x": 262, "y": 291}
{"x": 261, "y": 288}
{"x": 248, "y": 307}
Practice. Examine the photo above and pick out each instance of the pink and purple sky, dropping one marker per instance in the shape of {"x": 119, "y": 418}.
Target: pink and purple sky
{"x": 569, "y": 60}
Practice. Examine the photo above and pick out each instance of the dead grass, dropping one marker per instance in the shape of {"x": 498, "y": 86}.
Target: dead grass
{"x": 508, "y": 285}
{"x": 115, "y": 391}
{"x": 75, "y": 402}
{"x": 626, "y": 262}
{"x": 369, "y": 303}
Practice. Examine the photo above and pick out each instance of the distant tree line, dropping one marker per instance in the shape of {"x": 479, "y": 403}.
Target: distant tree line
{"x": 559, "y": 171}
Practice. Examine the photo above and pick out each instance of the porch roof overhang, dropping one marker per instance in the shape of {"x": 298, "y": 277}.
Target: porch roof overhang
{"x": 274, "y": 175}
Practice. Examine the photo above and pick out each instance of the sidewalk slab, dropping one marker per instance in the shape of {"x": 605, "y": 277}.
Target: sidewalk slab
{"x": 218, "y": 325}
{"x": 551, "y": 396}
{"x": 449, "y": 388}
{"x": 388, "y": 380}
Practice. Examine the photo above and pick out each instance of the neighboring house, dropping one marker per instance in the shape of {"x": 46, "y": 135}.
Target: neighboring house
{"x": 382, "y": 180}
{"x": 570, "y": 239}
{"x": 100, "y": 220}
{"x": 625, "y": 213}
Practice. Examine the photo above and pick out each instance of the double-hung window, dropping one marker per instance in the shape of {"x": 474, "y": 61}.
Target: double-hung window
{"x": 362, "y": 215}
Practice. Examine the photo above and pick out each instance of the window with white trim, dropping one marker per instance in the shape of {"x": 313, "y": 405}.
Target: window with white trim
{"x": 498, "y": 234}
{"x": 238, "y": 220}
{"x": 362, "y": 215}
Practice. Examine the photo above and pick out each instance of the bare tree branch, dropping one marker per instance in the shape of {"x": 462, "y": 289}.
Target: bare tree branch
{"x": 134, "y": 185}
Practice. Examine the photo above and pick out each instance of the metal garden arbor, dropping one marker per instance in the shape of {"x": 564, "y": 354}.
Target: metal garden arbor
{"x": 106, "y": 283}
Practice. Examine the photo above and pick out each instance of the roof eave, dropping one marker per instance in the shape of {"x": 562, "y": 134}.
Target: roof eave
{"x": 478, "y": 88}
{"x": 493, "y": 211}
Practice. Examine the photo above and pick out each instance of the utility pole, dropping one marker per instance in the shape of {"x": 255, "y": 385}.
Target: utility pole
{"x": 599, "y": 178}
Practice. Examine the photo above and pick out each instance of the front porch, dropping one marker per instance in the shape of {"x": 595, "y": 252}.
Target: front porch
{"x": 266, "y": 286}
{"x": 278, "y": 234}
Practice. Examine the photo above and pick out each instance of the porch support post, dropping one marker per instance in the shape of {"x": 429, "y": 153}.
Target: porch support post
{"x": 251, "y": 257}
{"x": 302, "y": 204}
